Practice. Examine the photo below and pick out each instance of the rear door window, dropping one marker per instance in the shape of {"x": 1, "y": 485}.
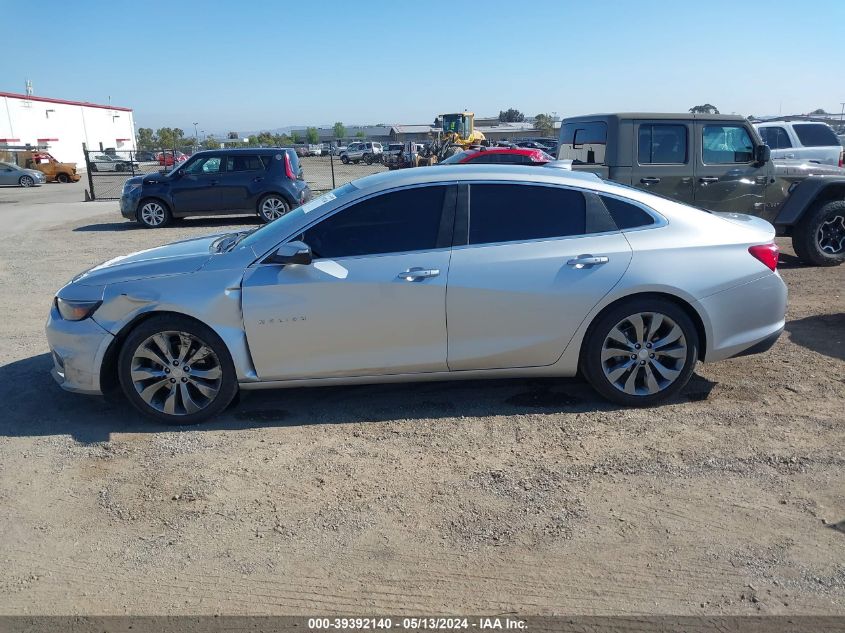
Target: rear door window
{"x": 518, "y": 213}
{"x": 775, "y": 137}
{"x": 244, "y": 162}
{"x": 815, "y": 135}
{"x": 662, "y": 144}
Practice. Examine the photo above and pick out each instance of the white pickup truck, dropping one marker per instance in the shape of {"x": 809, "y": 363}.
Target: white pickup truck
{"x": 802, "y": 140}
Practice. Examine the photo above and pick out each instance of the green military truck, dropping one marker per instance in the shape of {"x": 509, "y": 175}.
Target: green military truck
{"x": 715, "y": 162}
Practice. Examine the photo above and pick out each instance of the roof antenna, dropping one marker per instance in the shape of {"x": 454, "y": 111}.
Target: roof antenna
{"x": 28, "y": 88}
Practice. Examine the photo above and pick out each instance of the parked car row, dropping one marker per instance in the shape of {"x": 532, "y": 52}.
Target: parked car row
{"x": 11, "y": 174}
{"x": 802, "y": 140}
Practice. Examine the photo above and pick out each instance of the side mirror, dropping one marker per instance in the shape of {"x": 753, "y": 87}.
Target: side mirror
{"x": 291, "y": 253}
{"x": 762, "y": 154}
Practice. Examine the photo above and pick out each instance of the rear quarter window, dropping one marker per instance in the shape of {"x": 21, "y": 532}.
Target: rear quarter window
{"x": 625, "y": 214}
{"x": 584, "y": 142}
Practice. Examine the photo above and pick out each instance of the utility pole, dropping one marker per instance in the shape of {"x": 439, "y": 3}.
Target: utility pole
{"x": 196, "y": 136}
{"x": 842, "y": 112}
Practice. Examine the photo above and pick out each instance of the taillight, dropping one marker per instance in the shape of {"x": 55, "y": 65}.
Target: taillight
{"x": 766, "y": 253}
{"x": 288, "y": 169}
{"x": 842, "y": 158}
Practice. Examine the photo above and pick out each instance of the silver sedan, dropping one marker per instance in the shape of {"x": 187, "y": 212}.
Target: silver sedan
{"x": 13, "y": 175}
{"x": 428, "y": 274}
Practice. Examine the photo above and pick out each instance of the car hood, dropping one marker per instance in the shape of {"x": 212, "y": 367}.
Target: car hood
{"x": 174, "y": 259}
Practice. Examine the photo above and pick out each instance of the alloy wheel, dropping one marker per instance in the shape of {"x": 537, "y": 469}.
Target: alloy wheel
{"x": 644, "y": 353}
{"x": 26, "y": 181}
{"x": 153, "y": 214}
{"x": 831, "y": 235}
{"x": 273, "y": 208}
{"x": 176, "y": 373}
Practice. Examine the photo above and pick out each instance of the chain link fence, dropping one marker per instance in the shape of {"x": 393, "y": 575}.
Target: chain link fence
{"x": 108, "y": 171}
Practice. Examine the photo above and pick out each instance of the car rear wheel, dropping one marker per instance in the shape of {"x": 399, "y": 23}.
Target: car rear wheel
{"x": 26, "y": 181}
{"x": 272, "y": 207}
{"x": 819, "y": 238}
{"x": 640, "y": 352}
{"x": 63, "y": 178}
{"x": 154, "y": 214}
{"x": 176, "y": 370}
{"x": 120, "y": 167}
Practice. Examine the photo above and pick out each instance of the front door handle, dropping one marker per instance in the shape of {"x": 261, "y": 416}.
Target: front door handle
{"x": 651, "y": 180}
{"x": 704, "y": 180}
{"x": 587, "y": 261}
{"x": 418, "y": 274}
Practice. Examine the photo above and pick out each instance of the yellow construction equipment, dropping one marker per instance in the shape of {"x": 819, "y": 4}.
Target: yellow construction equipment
{"x": 457, "y": 133}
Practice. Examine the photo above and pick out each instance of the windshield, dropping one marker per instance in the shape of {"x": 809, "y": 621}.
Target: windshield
{"x": 293, "y": 217}
{"x": 455, "y": 123}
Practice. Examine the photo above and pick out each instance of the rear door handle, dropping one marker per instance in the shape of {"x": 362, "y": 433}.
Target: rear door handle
{"x": 587, "y": 261}
{"x": 708, "y": 179}
{"x": 418, "y": 274}
{"x": 649, "y": 181}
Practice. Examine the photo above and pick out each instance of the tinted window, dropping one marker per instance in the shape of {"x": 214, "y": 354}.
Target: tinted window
{"x": 775, "y": 137}
{"x": 662, "y": 144}
{"x": 584, "y": 142}
{"x": 509, "y": 213}
{"x": 726, "y": 144}
{"x": 815, "y": 135}
{"x": 407, "y": 220}
{"x": 244, "y": 162}
{"x": 626, "y": 215}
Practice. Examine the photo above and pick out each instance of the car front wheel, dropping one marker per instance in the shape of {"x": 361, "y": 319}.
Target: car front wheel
{"x": 26, "y": 181}
{"x": 819, "y": 239}
{"x": 640, "y": 352}
{"x": 176, "y": 370}
{"x": 344, "y": 159}
{"x": 153, "y": 214}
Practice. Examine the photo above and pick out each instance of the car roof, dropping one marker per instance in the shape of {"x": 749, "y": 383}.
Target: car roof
{"x": 492, "y": 173}
{"x": 519, "y": 151}
{"x": 241, "y": 150}
{"x": 656, "y": 115}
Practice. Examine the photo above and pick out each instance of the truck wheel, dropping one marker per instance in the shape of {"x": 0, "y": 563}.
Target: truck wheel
{"x": 63, "y": 178}
{"x": 819, "y": 238}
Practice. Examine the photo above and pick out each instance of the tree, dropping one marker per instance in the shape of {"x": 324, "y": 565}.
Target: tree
{"x": 313, "y": 135}
{"x": 544, "y": 123}
{"x": 360, "y": 134}
{"x": 339, "y": 130}
{"x": 171, "y": 137}
{"x": 294, "y": 136}
{"x": 707, "y": 108}
{"x": 210, "y": 142}
{"x": 147, "y": 138}
{"x": 511, "y": 115}
{"x": 818, "y": 111}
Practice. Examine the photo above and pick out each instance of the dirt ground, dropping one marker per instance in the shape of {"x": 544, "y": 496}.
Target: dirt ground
{"x": 524, "y": 496}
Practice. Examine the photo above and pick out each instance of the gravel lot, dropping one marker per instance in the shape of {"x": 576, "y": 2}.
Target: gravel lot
{"x": 526, "y": 496}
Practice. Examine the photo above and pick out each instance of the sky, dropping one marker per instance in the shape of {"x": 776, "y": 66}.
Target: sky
{"x": 251, "y": 65}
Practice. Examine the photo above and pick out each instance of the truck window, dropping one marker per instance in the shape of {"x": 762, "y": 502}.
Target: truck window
{"x": 726, "y": 144}
{"x": 662, "y": 144}
{"x": 584, "y": 142}
{"x": 775, "y": 137}
{"x": 815, "y": 135}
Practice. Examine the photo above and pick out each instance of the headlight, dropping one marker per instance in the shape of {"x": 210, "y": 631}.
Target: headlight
{"x": 76, "y": 310}
{"x": 131, "y": 186}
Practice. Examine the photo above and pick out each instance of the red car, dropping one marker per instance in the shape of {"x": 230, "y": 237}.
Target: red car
{"x": 499, "y": 156}
{"x": 165, "y": 159}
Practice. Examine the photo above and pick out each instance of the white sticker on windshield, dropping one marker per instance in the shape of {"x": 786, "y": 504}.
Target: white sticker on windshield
{"x": 318, "y": 202}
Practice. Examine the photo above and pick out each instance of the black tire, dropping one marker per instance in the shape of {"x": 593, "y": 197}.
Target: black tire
{"x": 63, "y": 178}
{"x": 344, "y": 159}
{"x": 272, "y": 207}
{"x": 26, "y": 181}
{"x": 593, "y": 368}
{"x": 120, "y": 167}
{"x": 151, "y": 209}
{"x": 93, "y": 166}
{"x": 171, "y": 323}
{"x": 819, "y": 238}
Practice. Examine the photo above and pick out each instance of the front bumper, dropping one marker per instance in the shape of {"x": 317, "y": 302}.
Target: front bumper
{"x": 78, "y": 349}
{"x": 744, "y": 320}
{"x": 129, "y": 205}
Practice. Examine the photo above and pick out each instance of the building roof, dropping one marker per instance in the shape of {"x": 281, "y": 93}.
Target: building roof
{"x": 14, "y": 95}
{"x": 412, "y": 129}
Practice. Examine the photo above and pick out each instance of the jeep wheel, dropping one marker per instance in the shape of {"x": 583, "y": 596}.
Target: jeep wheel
{"x": 63, "y": 178}
{"x": 819, "y": 238}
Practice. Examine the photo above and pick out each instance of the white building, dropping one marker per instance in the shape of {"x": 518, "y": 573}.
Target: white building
{"x": 61, "y": 126}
